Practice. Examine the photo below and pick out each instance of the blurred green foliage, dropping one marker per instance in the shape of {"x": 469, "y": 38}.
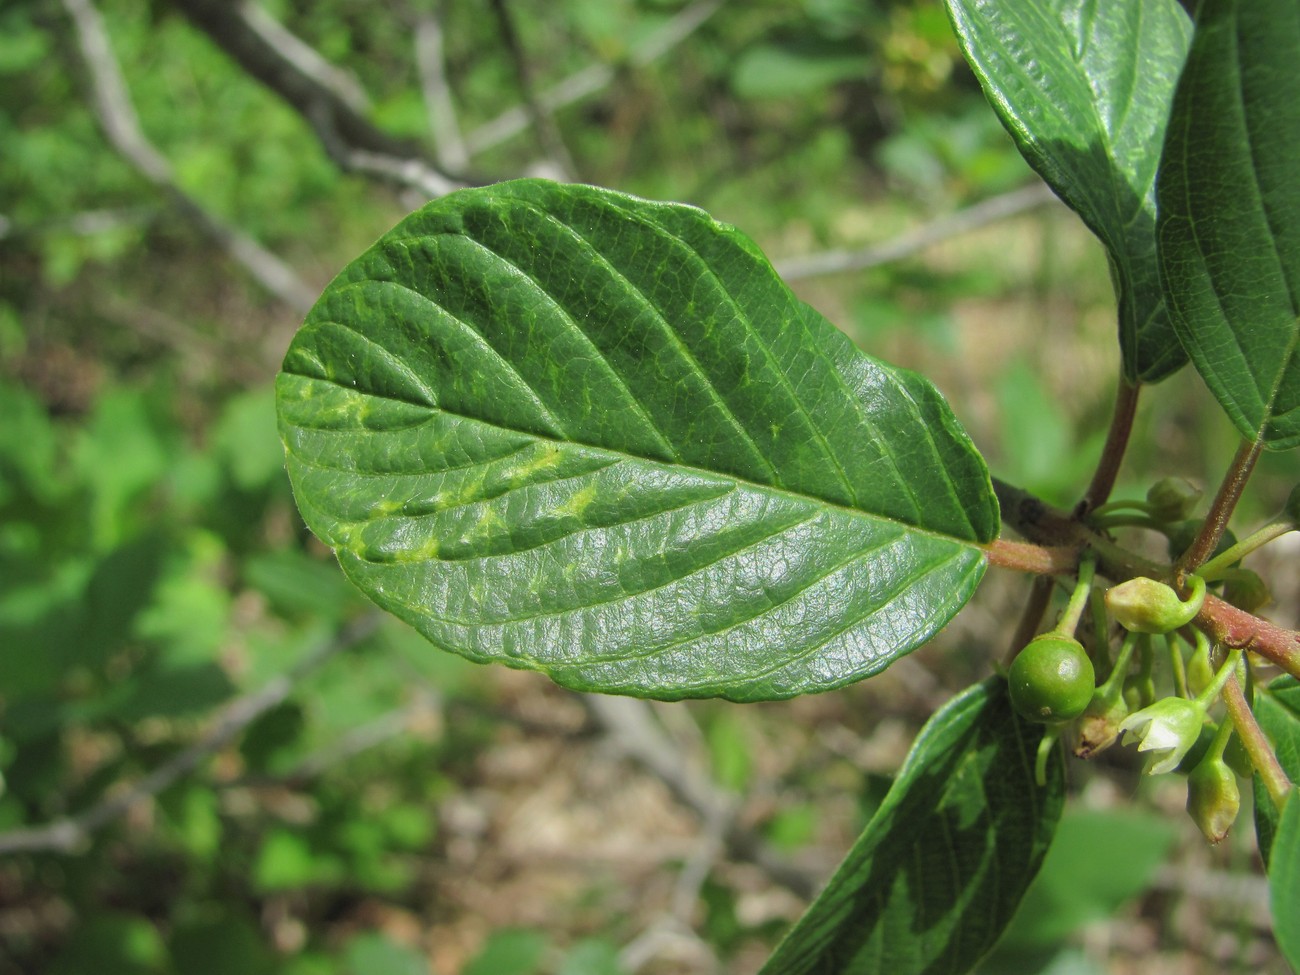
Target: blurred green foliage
{"x": 152, "y": 565}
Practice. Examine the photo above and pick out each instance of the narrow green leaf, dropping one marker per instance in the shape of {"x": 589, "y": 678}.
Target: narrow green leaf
{"x": 573, "y": 431}
{"x": 1284, "y": 881}
{"x": 1230, "y": 213}
{"x": 1084, "y": 88}
{"x": 942, "y": 865}
{"x": 1277, "y": 709}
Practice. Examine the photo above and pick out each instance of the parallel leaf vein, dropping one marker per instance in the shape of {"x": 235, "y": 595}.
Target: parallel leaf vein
{"x": 669, "y": 447}
{"x": 687, "y": 356}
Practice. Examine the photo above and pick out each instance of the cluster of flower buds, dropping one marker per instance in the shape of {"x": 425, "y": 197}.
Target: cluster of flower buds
{"x": 1052, "y": 682}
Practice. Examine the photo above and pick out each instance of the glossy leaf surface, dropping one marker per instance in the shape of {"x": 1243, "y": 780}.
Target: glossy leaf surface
{"x": 574, "y": 431}
{"x": 1084, "y": 87}
{"x": 1230, "y": 213}
{"x": 942, "y": 865}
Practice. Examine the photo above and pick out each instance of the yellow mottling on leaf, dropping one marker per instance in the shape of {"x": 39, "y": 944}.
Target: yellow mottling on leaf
{"x": 427, "y": 551}
{"x": 488, "y": 523}
{"x": 578, "y": 503}
{"x": 546, "y": 457}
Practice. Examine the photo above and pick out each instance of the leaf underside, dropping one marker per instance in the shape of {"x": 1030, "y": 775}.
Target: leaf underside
{"x": 1084, "y": 88}
{"x": 940, "y": 869}
{"x": 574, "y": 431}
{"x": 1230, "y": 213}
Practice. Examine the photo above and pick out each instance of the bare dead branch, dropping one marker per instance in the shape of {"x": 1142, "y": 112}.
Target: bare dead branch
{"x": 312, "y": 87}
{"x": 633, "y": 731}
{"x": 304, "y": 59}
{"x": 448, "y": 142}
{"x": 121, "y": 125}
{"x": 548, "y": 133}
{"x": 979, "y": 215}
{"x": 593, "y": 78}
{"x": 409, "y": 172}
{"x": 70, "y": 834}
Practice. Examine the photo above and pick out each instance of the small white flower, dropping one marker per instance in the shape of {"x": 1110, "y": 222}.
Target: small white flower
{"x": 1169, "y": 728}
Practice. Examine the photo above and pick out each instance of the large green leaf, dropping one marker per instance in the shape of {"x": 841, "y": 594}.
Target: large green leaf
{"x": 1230, "y": 213}
{"x": 942, "y": 865}
{"x": 1084, "y": 87}
{"x": 1277, "y": 709}
{"x": 574, "y": 431}
{"x": 1284, "y": 881}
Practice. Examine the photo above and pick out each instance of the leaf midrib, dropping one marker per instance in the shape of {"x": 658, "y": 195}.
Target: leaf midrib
{"x": 689, "y": 468}
{"x": 587, "y": 660}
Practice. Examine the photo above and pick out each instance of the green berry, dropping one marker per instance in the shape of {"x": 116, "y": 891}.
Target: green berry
{"x": 1051, "y": 679}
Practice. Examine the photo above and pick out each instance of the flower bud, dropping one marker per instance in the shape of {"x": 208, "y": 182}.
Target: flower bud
{"x": 1139, "y": 691}
{"x": 1144, "y": 605}
{"x": 1099, "y": 726}
{"x": 1169, "y": 728}
{"x": 1172, "y": 498}
{"x": 1213, "y": 798}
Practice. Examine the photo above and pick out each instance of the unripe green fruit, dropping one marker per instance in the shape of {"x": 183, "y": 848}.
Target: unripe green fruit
{"x": 1051, "y": 679}
{"x": 1172, "y": 498}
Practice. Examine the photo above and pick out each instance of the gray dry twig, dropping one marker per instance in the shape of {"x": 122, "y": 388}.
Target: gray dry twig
{"x": 116, "y": 114}
{"x": 633, "y": 731}
{"x": 448, "y": 143}
{"x": 978, "y": 215}
{"x": 592, "y": 78}
{"x": 329, "y": 99}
